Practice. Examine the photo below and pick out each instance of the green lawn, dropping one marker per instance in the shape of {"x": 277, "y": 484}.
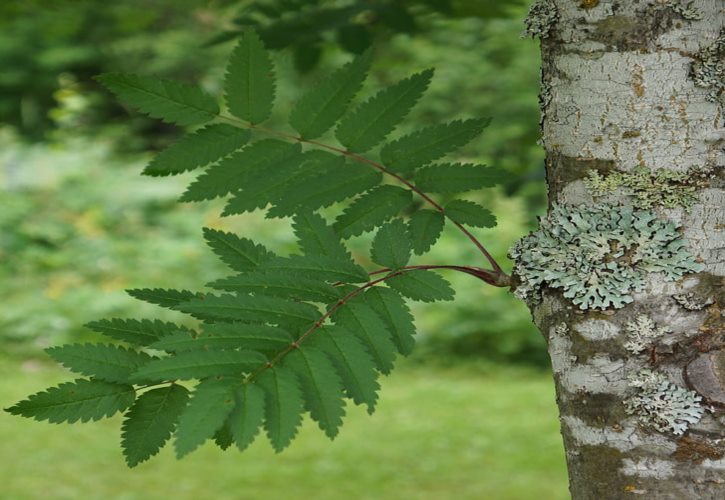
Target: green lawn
{"x": 437, "y": 434}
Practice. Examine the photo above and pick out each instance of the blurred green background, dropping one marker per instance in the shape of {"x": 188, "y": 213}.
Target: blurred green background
{"x": 78, "y": 225}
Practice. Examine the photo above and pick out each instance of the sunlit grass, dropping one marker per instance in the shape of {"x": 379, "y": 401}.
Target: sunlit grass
{"x": 437, "y": 434}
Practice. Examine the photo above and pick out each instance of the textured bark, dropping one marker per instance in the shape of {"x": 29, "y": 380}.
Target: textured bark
{"x": 617, "y": 93}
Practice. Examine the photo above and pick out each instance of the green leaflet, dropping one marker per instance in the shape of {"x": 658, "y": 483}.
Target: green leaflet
{"x": 138, "y": 332}
{"x": 429, "y": 144}
{"x": 372, "y": 209}
{"x": 148, "y": 424}
{"x": 238, "y": 253}
{"x": 373, "y": 120}
{"x": 264, "y": 186}
{"x": 81, "y": 399}
{"x": 233, "y": 172}
{"x": 324, "y": 190}
{"x": 251, "y": 308}
{"x": 283, "y": 405}
{"x": 457, "y": 177}
{"x": 248, "y": 415}
{"x": 392, "y": 309}
{"x": 318, "y": 267}
{"x": 104, "y": 362}
{"x": 424, "y": 228}
{"x": 287, "y": 285}
{"x": 249, "y": 82}
{"x": 200, "y": 364}
{"x": 365, "y": 323}
{"x": 320, "y": 108}
{"x": 161, "y": 297}
{"x": 315, "y": 237}
{"x": 210, "y": 404}
{"x": 227, "y": 336}
{"x": 170, "y": 101}
{"x": 205, "y": 146}
{"x": 422, "y": 285}
{"x": 223, "y": 436}
{"x": 352, "y": 361}
{"x": 468, "y": 212}
{"x": 391, "y": 246}
{"x": 321, "y": 387}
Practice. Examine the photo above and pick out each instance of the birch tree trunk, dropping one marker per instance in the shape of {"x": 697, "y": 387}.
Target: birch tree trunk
{"x": 630, "y": 84}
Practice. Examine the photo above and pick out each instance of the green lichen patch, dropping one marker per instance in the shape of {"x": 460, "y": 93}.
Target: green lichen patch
{"x": 598, "y": 256}
{"x": 541, "y": 18}
{"x": 663, "y": 405}
{"x": 642, "y": 333}
{"x": 684, "y": 8}
{"x": 649, "y": 188}
{"x": 708, "y": 70}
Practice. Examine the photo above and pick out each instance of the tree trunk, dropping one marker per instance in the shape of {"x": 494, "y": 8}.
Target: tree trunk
{"x": 641, "y": 382}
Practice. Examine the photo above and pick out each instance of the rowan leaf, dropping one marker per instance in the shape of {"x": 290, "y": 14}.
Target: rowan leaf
{"x": 248, "y": 415}
{"x": 422, "y": 285}
{"x": 393, "y": 310}
{"x": 101, "y": 361}
{"x": 470, "y": 213}
{"x": 238, "y": 253}
{"x": 168, "y": 100}
{"x": 227, "y": 336}
{"x": 318, "y": 267}
{"x": 207, "y": 145}
{"x": 211, "y": 403}
{"x": 320, "y": 108}
{"x": 200, "y": 364}
{"x": 391, "y": 246}
{"x": 142, "y": 332}
{"x": 424, "y": 228}
{"x": 365, "y": 323}
{"x": 321, "y": 387}
{"x": 251, "y": 308}
{"x": 369, "y": 123}
{"x": 161, "y": 296}
{"x": 429, "y": 144}
{"x": 457, "y": 177}
{"x": 371, "y": 210}
{"x": 278, "y": 283}
{"x": 81, "y": 399}
{"x": 249, "y": 84}
{"x": 315, "y": 237}
{"x": 149, "y": 423}
{"x": 283, "y": 405}
{"x": 353, "y": 363}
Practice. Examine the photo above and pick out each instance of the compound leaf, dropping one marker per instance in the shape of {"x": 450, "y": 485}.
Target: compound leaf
{"x": 148, "y": 424}
{"x": 374, "y": 119}
{"x": 171, "y": 101}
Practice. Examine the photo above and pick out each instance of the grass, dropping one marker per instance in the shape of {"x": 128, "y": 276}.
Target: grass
{"x": 437, "y": 434}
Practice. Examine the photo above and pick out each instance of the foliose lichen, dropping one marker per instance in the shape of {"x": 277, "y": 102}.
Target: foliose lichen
{"x": 649, "y": 188}
{"x": 691, "y": 302}
{"x": 663, "y": 405}
{"x": 542, "y": 16}
{"x": 708, "y": 70}
{"x": 642, "y": 333}
{"x": 599, "y": 255}
{"x": 685, "y": 9}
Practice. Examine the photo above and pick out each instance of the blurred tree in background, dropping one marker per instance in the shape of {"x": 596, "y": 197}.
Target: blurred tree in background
{"x": 67, "y": 249}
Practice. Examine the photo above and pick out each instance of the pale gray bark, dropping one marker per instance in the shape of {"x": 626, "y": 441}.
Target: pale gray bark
{"x": 618, "y": 92}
